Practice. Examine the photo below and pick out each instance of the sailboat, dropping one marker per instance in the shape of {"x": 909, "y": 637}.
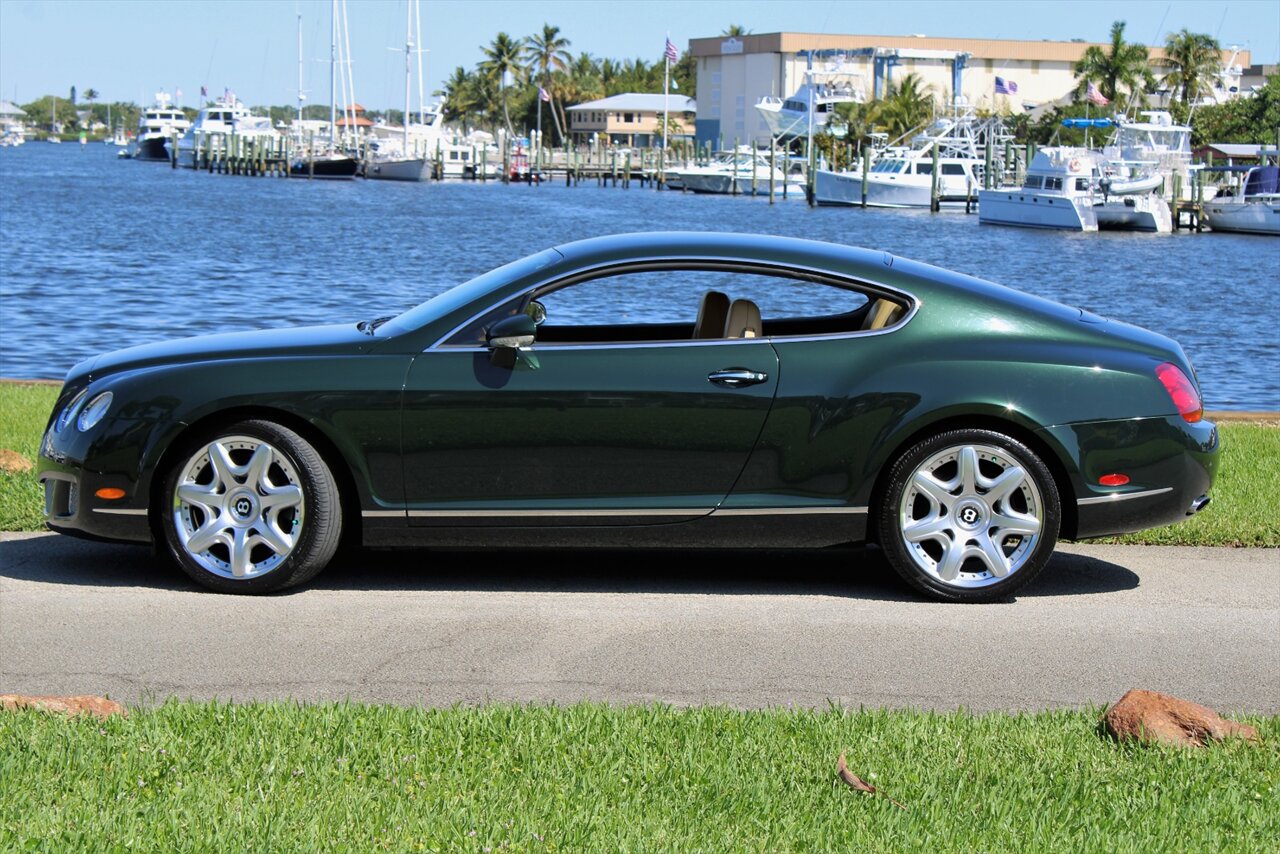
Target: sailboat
{"x": 403, "y": 164}
{"x": 53, "y": 123}
{"x": 330, "y": 162}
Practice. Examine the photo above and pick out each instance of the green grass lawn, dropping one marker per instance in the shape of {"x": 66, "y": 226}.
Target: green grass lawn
{"x": 276, "y": 777}
{"x": 1243, "y": 512}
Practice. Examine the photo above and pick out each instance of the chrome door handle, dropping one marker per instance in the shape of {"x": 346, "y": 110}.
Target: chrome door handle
{"x": 737, "y": 377}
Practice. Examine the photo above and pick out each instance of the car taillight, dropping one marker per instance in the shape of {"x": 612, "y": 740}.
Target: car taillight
{"x": 1182, "y": 391}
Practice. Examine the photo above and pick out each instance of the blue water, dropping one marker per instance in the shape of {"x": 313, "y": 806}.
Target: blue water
{"x": 97, "y": 254}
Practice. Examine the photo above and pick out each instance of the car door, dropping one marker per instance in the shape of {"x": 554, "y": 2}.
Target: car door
{"x": 616, "y": 432}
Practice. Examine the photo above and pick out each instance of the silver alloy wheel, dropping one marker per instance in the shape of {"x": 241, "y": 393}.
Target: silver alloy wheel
{"x": 238, "y": 507}
{"x": 970, "y": 515}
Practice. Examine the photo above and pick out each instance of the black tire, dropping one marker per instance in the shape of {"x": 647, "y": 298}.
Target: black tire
{"x": 293, "y": 488}
{"x": 952, "y": 540}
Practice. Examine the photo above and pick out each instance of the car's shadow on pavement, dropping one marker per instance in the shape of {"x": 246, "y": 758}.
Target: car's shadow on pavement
{"x": 854, "y": 573}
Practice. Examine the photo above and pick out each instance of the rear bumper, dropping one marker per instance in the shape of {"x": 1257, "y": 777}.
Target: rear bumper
{"x": 1170, "y": 464}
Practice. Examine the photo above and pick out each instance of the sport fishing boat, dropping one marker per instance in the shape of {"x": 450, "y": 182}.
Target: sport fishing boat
{"x": 158, "y": 126}
{"x": 1255, "y": 210}
{"x": 819, "y": 94}
{"x": 903, "y": 177}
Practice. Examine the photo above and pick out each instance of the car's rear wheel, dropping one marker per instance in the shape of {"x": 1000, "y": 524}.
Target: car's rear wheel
{"x": 969, "y": 516}
{"x": 251, "y": 508}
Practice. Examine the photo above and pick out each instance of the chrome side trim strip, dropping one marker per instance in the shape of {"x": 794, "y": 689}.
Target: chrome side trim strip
{"x": 786, "y": 511}
{"x": 566, "y": 511}
{"x": 1124, "y": 496}
{"x": 382, "y": 514}
{"x": 622, "y": 511}
{"x": 113, "y": 511}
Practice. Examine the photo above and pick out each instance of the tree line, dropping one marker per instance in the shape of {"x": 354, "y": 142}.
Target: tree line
{"x": 502, "y": 90}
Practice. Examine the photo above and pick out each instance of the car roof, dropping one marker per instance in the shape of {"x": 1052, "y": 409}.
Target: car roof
{"x": 728, "y": 246}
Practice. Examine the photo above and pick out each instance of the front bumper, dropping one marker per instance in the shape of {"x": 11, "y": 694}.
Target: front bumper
{"x": 1170, "y": 463}
{"x": 75, "y": 466}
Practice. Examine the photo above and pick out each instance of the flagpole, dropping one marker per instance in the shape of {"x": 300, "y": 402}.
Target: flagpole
{"x": 666, "y": 92}
{"x": 537, "y": 158}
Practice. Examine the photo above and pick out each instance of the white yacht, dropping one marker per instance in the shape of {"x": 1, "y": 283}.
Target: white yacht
{"x": 1255, "y": 210}
{"x": 821, "y": 92}
{"x": 903, "y": 177}
{"x": 735, "y": 171}
{"x": 1076, "y": 189}
{"x": 215, "y": 124}
{"x": 157, "y": 126}
{"x": 1057, "y": 193}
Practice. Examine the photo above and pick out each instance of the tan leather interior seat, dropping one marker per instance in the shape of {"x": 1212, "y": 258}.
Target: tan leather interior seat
{"x": 744, "y": 320}
{"x": 881, "y": 314}
{"x": 713, "y": 311}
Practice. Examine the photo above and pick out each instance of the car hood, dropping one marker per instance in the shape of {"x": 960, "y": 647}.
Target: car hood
{"x": 303, "y": 340}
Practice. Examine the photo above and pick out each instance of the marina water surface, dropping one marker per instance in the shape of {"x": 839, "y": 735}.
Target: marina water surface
{"x": 99, "y": 254}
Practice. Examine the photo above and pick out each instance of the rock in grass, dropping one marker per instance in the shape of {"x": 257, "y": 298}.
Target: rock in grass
{"x": 99, "y": 707}
{"x": 1151, "y": 717}
{"x": 14, "y": 463}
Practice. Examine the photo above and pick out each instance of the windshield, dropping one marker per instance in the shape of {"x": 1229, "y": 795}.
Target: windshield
{"x": 455, "y": 298}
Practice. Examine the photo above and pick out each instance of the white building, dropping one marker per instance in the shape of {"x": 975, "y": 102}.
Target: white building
{"x": 735, "y": 73}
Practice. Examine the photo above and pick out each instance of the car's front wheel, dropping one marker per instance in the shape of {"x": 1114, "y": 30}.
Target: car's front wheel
{"x": 969, "y": 516}
{"x": 251, "y": 508}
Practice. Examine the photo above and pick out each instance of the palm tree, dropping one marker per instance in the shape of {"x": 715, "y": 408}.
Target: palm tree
{"x": 1121, "y": 65}
{"x": 580, "y": 83}
{"x": 735, "y": 31}
{"x": 91, "y": 95}
{"x": 548, "y": 53}
{"x": 460, "y": 94}
{"x": 1194, "y": 59}
{"x": 908, "y": 107}
{"x": 504, "y": 57}
{"x": 860, "y": 120}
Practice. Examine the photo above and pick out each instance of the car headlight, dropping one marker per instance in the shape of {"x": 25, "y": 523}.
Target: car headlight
{"x": 94, "y": 411}
{"x": 68, "y": 411}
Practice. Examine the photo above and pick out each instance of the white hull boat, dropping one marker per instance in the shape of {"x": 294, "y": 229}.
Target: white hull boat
{"x": 903, "y": 177}
{"x": 398, "y": 169}
{"x": 1057, "y": 193}
{"x": 1256, "y": 210}
{"x": 821, "y": 92}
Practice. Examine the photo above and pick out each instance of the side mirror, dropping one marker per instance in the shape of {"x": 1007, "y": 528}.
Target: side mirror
{"x": 512, "y": 333}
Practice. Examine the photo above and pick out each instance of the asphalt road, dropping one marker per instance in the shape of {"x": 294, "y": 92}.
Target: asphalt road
{"x": 759, "y": 629}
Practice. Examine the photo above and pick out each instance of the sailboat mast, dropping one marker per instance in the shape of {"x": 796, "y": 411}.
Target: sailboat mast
{"x": 408, "y": 56}
{"x": 422, "y": 95}
{"x": 333, "y": 73}
{"x": 299, "y": 128}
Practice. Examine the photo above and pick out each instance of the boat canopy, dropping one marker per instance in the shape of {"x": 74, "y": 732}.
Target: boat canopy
{"x": 1087, "y": 123}
{"x": 1262, "y": 181}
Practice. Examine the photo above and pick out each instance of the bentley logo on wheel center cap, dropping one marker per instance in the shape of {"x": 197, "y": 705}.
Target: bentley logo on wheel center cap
{"x": 970, "y": 515}
{"x": 243, "y": 507}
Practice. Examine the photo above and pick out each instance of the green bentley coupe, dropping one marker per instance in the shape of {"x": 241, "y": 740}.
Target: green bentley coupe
{"x": 664, "y": 390}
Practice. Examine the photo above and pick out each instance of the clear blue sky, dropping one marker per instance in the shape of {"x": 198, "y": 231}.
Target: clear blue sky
{"x": 127, "y": 49}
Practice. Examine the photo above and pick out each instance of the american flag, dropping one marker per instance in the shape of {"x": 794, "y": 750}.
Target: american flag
{"x": 543, "y": 94}
{"x": 1093, "y": 96}
{"x": 672, "y": 54}
{"x": 1006, "y": 87}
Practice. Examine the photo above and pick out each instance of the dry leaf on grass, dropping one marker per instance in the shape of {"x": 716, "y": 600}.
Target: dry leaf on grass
{"x": 857, "y": 783}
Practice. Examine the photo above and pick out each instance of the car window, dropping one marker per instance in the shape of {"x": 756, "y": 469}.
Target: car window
{"x": 673, "y": 297}
{"x": 663, "y": 305}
